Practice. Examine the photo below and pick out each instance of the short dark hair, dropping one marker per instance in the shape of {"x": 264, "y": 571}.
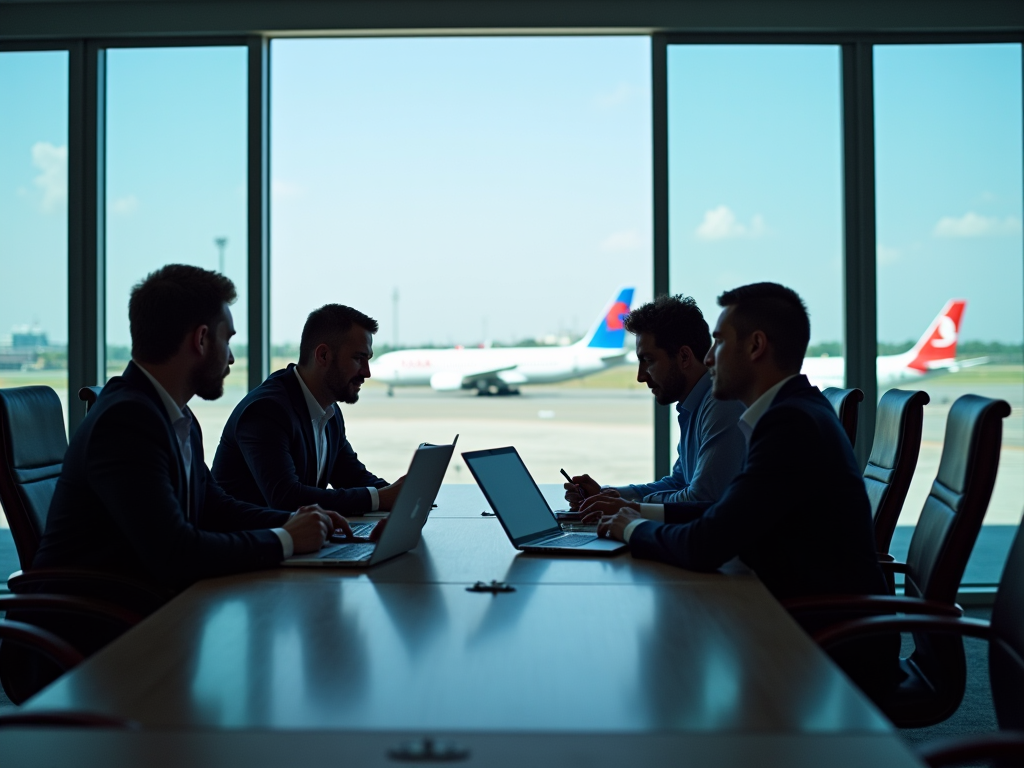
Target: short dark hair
{"x": 777, "y": 311}
{"x": 675, "y": 322}
{"x": 171, "y": 302}
{"x": 327, "y": 325}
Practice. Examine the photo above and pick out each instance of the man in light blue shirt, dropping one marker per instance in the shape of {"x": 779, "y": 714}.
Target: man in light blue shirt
{"x": 672, "y": 339}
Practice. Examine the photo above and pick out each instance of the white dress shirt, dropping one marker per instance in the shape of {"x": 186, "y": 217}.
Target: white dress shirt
{"x": 748, "y": 420}
{"x": 320, "y": 416}
{"x": 181, "y": 422}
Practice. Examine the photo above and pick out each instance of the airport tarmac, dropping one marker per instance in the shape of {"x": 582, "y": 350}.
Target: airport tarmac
{"x": 607, "y": 432}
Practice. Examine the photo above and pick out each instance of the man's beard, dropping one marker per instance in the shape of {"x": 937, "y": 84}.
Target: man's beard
{"x": 344, "y": 391}
{"x": 209, "y": 385}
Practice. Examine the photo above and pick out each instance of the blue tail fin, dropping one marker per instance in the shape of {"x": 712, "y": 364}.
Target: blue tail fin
{"x": 608, "y": 332}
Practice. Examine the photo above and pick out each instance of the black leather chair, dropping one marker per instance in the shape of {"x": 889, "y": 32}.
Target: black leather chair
{"x": 1005, "y": 635}
{"x": 939, "y": 550}
{"x": 894, "y": 454}
{"x": 847, "y": 406}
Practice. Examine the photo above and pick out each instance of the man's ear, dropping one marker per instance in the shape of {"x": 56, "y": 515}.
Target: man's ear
{"x": 200, "y": 340}
{"x": 757, "y": 345}
{"x": 685, "y": 357}
{"x": 322, "y": 355}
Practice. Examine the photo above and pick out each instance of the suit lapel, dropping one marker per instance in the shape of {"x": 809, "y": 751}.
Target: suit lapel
{"x": 298, "y": 404}
{"x": 135, "y": 378}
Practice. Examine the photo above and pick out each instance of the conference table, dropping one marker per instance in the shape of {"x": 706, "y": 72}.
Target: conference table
{"x": 585, "y": 661}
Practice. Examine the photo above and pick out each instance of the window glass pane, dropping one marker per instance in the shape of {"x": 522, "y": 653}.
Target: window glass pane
{"x": 468, "y": 192}
{"x": 949, "y": 180}
{"x": 33, "y": 221}
{"x": 176, "y": 186}
{"x": 755, "y": 181}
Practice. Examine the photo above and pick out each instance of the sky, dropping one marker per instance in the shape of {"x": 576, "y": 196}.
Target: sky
{"x": 502, "y": 186}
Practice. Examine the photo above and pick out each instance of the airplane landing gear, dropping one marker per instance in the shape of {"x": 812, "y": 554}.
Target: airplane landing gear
{"x": 391, "y": 391}
{"x": 492, "y": 389}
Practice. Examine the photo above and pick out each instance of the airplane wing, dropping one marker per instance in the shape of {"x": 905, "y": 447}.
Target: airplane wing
{"x": 958, "y": 365}
{"x": 445, "y": 381}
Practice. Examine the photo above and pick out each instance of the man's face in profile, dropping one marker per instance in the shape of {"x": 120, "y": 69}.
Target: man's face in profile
{"x": 659, "y": 370}
{"x": 209, "y": 378}
{"x": 726, "y": 360}
{"x": 351, "y": 365}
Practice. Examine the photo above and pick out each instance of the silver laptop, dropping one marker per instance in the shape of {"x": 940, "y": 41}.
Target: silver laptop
{"x": 522, "y": 510}
{"x": 405, "y": 522}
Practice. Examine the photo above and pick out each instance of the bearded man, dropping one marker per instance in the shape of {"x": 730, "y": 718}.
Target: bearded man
{"x": 285, "y": 441}
{"x": 135, "y": 496}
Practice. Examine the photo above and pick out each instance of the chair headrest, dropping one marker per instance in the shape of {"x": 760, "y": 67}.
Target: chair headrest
{"x": 894, "y": 409}
{"x": 32, "y": 422}
{"x": 968, "y": 418}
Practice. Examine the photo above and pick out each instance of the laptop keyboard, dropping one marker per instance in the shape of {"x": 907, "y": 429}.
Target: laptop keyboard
{"x": 567, "y": 540}
{"x": 348, "y": 552}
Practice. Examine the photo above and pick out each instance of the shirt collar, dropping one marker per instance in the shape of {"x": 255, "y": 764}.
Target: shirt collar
{"x": 693, "y": 400}
{"x": 316, "y": 413}
{"x": 173, "y": 411}
{"x": 753, "y": 414}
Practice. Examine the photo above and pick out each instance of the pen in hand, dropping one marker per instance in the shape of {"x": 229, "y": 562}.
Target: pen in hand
{"x": 579, "y": 488}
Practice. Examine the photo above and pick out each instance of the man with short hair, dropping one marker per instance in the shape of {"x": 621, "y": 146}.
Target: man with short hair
{"x": 797, "y": 514}
{"x": 672, "y": 339}
{"x": 285, "y": 441}
{"x": 135, "y": 496}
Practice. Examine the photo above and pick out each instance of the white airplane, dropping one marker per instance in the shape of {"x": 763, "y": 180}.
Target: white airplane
{"x": 935, "y": 352}
{"x": 502, "y": 370}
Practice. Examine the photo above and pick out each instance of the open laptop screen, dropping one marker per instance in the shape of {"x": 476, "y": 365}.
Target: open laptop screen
{"x": 509, "y": 488}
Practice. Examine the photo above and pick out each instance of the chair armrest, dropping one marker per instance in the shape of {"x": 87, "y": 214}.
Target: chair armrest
{"x": 64, "y": 720}
{"x": 70, "y": 604}
{"x": 885, "y": 557}
{"x": 871, "y": 604}
{"x": 877, "y": 625}
{"x": 59, "y": 651}
{"x": 1005, "y": 746}
{"x": 140, "y": 596}
{"x": 892, "y": 566}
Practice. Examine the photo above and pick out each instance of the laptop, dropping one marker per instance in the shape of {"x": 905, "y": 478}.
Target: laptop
{"x": 522, "y": 510}
{"x": 408, "y": 515}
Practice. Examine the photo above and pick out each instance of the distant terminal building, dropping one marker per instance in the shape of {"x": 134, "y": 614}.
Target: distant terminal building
{"x": 21, "y": 350}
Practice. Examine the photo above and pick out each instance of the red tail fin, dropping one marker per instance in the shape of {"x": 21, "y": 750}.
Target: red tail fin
{"x": 939, "y": 341}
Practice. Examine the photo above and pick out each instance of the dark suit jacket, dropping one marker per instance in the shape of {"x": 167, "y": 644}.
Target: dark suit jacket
{"x": 798, "y": 515}
{"x": 267, "y": 454}
{"x": 120, "y": 504}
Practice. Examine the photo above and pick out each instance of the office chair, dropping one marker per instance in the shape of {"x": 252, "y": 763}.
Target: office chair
{"x": 1005, "y": 635}
{"x": 846, "y": 403}
{"x": 894, "y": 453}
{"x": 21, "y": 672}
{"x": 939, "y": 550}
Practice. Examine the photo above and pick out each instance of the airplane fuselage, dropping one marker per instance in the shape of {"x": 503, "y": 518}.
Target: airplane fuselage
{"x": 511, "y": 365}
{"x": 891, "y": 370}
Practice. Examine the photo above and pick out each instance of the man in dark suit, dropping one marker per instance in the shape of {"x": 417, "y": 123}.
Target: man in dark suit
{"x": 797, "y": 514}
{"x": 135, "y": 496}
{"x": 285, "y": 441}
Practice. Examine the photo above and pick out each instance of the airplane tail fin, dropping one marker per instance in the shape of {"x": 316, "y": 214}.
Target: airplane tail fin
{"x": 937, "y": 348}
{"x": 609, "y": 332}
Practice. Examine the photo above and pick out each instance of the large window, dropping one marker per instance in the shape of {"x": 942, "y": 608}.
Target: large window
{"x": 469, "y": 192}
{"x": 949, "y": 182}
{"x": 755, "y": 181}
{"x": 176, "y": 188}
{"x": 33, "y": 220}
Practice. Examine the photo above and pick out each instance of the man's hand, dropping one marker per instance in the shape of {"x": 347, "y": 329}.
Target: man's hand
{"x": 602, "y": 505}
{"x": 614, "y": 525}
{"x": 310, "y": 527}
{"x": 386, "y": 496}
{"x": 589, "y": 486}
